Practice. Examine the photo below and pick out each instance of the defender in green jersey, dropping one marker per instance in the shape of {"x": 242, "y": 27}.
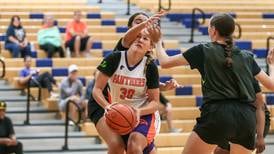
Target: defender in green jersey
{"x": 228, "y": 113}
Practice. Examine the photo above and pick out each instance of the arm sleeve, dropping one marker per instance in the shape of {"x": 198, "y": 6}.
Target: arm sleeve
{"x": 195, "y": 56}
{"x": 152, "y": 76}
{"x": 109, "y": 65}
{"x": 255, "y": 68}
{"x": 10, "y": 32}
{"x": 22, "y": 74}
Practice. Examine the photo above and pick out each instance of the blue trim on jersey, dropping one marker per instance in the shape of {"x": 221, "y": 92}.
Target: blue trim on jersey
{"x": 133, "y": 67}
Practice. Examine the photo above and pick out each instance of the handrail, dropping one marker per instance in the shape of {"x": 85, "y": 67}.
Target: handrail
{"x": 26, "y": 122}
{"x": 240, "y": 31}
{"x": 193, "y": 22}
{"x": 267, "y": 49}
{"x": 3, "y": 67}
{"x": 65, "y": 147}
{"x": 161, "y": 6}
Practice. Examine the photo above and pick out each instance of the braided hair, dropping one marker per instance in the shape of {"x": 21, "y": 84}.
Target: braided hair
{"x": 225, "y": 25}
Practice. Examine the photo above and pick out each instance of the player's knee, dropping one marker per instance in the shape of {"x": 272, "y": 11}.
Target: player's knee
{"x": 115, "y": 145}
{"x": 133, "y": 146}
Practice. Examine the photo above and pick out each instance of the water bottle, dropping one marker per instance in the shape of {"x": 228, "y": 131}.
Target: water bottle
{"x": 68, "y": 52}
{"x": 32, "y": 48}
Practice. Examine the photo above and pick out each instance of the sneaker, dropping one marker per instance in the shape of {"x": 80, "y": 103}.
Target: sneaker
{"x": 176, "y": 130}
{"x": 71, "y": 123}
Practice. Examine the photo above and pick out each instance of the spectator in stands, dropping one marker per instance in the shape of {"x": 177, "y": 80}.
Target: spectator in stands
{"x": 77, "y": 38}
{"x": 49, "y": 37}
{"x": 37, "y": 79}
{"x": 8, "y": 141}
{"x": 166, "y": 113}
{"x": 88, "y": 94}
{"x": 16, "y": 40}
{"x": 72, "y": 89}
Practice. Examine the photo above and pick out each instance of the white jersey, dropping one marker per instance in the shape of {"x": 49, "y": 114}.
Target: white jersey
{"x": 128, "y": 85}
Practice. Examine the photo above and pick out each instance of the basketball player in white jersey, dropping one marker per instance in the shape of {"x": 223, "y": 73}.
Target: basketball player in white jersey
{"x": 133, "y": 79}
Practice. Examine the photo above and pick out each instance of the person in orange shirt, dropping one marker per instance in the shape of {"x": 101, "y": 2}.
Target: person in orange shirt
{"x": 77, "y": 38}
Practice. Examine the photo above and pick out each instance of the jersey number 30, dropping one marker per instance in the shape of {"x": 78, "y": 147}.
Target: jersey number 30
{"x": 126, "y": 93}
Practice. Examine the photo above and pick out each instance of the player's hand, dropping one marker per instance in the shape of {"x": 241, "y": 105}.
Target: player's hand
{"x": 154, "y": 19}
{"x": 270, "y": 56}
{"x": 154, "y": 32}
{"x": 160, "y": 14}
{"x": 169, "y": 85}
{"x": 260, "y": 145}
{"x": 108, "y": 107}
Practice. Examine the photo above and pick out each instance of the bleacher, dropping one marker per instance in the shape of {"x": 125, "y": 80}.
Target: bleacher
{"x": 255, "y": 18}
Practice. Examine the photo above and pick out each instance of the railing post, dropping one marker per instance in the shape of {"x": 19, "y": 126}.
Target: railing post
{"x": 240, "y": 31}
{"x": 128, "y": 7}
{"x": 192, "y": 26}
{"x": 28, "y": 104}
{"x": 160, "y": 7}
{"x": 267, "y": 49}
{"x": 193, "y": 15}
{"x": 3, "y": 67}
{"x": 65, "y": 146}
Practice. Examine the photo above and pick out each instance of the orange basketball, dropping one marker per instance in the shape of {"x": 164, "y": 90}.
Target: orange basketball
{"x": 121, "y": 118}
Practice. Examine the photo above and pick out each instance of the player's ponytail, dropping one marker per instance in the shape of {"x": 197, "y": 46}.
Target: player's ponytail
{"x": 228, "y": 51}
{"x": 148, "y": 61}
{"x": 225, "y": 25}
{"x": 149, "y": 57}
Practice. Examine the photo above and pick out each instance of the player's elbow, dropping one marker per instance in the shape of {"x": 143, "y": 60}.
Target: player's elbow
{"x": 95, "y": 92}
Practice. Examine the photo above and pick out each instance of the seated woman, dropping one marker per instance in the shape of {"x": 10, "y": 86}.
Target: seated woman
{"x": 49, "y": 38}
{"x": 16, "y": 40}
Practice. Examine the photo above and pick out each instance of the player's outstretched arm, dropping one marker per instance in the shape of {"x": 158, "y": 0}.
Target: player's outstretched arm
{"x": 268, "y": 81}
{"x": 133, "y": 32}
{"x": 168, "y": 61}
